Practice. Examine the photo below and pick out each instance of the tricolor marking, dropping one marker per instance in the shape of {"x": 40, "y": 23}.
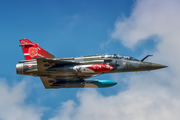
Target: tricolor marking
{"x": 30, "y": 66}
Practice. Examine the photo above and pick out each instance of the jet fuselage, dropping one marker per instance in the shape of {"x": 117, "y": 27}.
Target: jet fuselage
{"x": 72, "y": 72}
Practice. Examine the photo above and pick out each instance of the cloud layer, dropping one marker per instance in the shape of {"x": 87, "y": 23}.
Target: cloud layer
{"x": 12, "y": 103}
{"x": 153, "y": 95}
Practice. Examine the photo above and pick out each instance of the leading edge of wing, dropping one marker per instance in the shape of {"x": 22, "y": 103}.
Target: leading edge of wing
{"x": 56, "y": 61}
{"x": 44, "y": 63}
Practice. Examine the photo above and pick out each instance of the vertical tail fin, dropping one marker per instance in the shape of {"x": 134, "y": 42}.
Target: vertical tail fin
{"x": 32, "y": 50}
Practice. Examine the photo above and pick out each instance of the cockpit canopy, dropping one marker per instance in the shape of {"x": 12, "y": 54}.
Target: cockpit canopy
{"x": 118, "y": 56}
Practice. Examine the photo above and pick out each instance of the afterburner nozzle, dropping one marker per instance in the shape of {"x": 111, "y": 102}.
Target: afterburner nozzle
{"x": 19, "y": 68}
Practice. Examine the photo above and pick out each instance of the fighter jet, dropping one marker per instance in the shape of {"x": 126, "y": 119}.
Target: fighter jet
{"x": 73, "y": 72}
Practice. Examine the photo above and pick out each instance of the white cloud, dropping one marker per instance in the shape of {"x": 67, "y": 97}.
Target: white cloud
{"x": 149, "y": 17}
{"x": 12, "y": 103}
{"x": 146, "y": 98}
{"x": 154, "y": 95}
{"x": 66, "y": 111}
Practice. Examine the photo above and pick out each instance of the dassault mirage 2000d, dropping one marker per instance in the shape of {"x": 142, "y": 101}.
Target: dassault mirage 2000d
{"x": 73, "y": 72}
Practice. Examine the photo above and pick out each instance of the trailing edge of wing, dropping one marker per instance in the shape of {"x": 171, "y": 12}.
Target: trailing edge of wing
{"x": 47, "y": 82}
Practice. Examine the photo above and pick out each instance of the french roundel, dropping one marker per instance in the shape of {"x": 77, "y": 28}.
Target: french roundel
{"x": 30, "y": 66}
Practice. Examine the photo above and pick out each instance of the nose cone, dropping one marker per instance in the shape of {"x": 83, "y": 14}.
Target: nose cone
{"x": 158, "y": 66}
{"x": 150, "y": 66}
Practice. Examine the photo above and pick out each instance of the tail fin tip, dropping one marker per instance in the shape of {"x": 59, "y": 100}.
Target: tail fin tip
{"x": 25, "y": 41}
{"x": 32, "y": 50}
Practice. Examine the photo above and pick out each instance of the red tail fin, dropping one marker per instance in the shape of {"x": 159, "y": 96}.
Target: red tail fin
{"x": 32, "y": 50}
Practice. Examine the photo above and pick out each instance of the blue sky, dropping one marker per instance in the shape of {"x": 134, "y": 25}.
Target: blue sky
{"x": 64, "y": 28}
{"x": 79, "y": 28}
